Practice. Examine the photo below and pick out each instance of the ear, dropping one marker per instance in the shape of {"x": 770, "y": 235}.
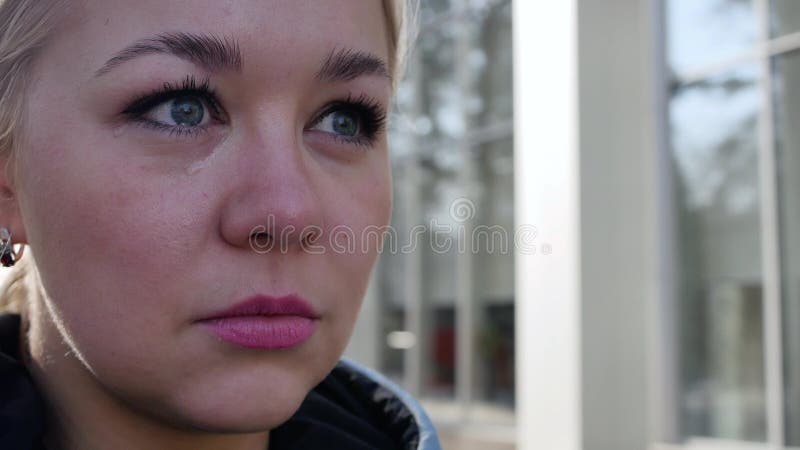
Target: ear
{"x": 10, "y": 216}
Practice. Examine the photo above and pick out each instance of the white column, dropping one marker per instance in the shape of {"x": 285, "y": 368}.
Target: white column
{"x": 546, "y": 196}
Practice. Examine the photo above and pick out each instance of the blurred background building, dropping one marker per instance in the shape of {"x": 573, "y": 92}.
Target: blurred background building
{"x": 439, "y": 315}
{"x": 652, "y": 145}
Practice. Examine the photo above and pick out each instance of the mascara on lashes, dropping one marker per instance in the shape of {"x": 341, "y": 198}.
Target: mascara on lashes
{"x": 370, "y": 114}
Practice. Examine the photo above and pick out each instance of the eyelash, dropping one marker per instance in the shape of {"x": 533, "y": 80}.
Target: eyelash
{"x": 139, "y": 107}
{"x": 371, "y": 119}
{"x": 371, "y": 115}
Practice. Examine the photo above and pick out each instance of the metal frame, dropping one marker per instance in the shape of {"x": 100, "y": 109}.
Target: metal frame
{"x": 465, "y": 299}
{"x": 664, "y": 377}
{"x": 770, "y": 252}
{"x": 771, "y": 47}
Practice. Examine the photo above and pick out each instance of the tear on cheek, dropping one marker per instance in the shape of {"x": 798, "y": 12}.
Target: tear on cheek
{"x": 119, "y": 129}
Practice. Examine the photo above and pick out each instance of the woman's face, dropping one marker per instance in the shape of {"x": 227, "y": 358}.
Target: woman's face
{"x": 143, "y": 176}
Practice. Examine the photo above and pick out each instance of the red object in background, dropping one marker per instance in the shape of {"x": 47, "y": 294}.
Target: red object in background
{"x": 444, "y": 355}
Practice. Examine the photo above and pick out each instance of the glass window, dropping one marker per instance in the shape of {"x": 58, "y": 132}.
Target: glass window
{"x": 492, "y": 245}
{"x": 438, "y": 114}
{"x": 489, "y": 65}
{"x": 787, "y": 114}
{"x": 704, "y": 31}
{"x": 430, "y": 9}
{"x": 391, "y": 275}
{"x": 454, "y": 110}
{"x": 785, "y": 16}
{"x": 714, "y": 148}
{"x": 438, "y": 247}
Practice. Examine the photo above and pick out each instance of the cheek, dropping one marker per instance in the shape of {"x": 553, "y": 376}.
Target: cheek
{"x": 97, "y": 231}
{"x": 357, "y": 219}
{"x": 367, "y": 199}
{"x": 359, "y": 206}
{"x": 115, "y": 256}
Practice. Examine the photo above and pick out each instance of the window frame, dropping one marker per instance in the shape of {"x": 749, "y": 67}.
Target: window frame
{"x": 762, "y": 52}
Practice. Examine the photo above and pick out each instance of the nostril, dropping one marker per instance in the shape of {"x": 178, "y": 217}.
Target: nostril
{"x": 262, "y": 235}
{"x": 261, "y": 241}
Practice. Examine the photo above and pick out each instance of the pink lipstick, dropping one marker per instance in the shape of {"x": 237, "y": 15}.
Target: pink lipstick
{"x": 264, "y": 322}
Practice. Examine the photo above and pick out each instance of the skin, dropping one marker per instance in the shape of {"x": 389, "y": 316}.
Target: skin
{"x": 137, "y": 234}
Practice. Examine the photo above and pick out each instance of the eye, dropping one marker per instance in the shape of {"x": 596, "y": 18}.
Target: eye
{"x": 177, "y": 110}
{"x": 353, "y": 121}
{"x": 185, "y": 111}
{"x": 341, "y": 122}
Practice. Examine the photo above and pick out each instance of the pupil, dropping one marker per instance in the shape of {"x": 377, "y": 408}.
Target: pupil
{"x": 345, "y": 124}
{"x": 187, "y": 111}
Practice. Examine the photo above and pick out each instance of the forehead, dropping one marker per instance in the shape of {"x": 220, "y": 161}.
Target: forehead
{"x": 273, "y": 30}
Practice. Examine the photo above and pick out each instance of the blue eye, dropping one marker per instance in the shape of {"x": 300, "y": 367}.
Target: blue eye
{"x": 184, "y": 112}
{"x": 188, "y": 109}
{"x": 356, "y": 121}
{"x": 340, "y": 122}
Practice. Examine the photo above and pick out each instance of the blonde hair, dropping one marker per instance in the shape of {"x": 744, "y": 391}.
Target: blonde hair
{"x": 25, "y": 26}
{"x": 401, "y": 21}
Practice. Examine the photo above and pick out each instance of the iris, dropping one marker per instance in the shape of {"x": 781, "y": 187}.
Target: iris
{"x": 344, "y": 123}
{"x": 187, "y": 111}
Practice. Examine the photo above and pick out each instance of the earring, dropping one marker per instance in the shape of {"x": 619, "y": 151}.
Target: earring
{"x": 8, "y": 256}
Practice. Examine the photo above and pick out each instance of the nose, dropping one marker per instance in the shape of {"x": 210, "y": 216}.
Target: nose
{"x": 275, "y": 204}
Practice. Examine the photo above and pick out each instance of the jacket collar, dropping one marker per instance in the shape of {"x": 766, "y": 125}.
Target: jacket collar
{"x": 397, "y": 404}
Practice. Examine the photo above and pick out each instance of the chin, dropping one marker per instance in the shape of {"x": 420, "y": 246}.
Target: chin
{"x": 247, "y": 418}
{"x": 239, "y": 403}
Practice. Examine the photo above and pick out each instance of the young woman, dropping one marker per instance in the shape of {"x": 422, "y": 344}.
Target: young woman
{"x": 180, "y": 173}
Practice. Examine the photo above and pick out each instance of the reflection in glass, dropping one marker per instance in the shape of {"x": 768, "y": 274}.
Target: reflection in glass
{"x": 451, "y": 109}
{"x": 438, "y": 189}
{"x": 785, "y": 16}
{"x": 455, "y": 96}
{"x": 391, "y": 352}
{"x": 703, "y": 31}
{"x": 489, "y": 64}
{"x": 492, "y": 245}
{"x": 390, "y": 273}
{"x": 714, "y": 148}
{"x": 439, "y": 113}
{"x": 429, "y": 9}
{"x": 787, "y": 115}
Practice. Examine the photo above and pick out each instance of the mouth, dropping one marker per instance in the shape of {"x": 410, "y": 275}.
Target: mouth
{"x": 264, "y": 322}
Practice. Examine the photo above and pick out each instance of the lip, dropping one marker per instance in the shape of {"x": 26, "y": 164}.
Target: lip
{"x": 266, "y": 305}
{"x": 264, "y": 322}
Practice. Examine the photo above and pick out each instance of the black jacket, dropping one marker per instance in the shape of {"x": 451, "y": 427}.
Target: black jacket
{"x": 353, "y": 408}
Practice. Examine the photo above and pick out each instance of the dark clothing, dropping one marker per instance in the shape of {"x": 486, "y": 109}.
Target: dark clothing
{"x": 353, "y": 408}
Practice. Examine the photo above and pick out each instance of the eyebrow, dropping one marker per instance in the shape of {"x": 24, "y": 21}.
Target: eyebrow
{"x": 348, "y": 64}
{"x": 222, "y": 54}
{"x": 206, "y": 50}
